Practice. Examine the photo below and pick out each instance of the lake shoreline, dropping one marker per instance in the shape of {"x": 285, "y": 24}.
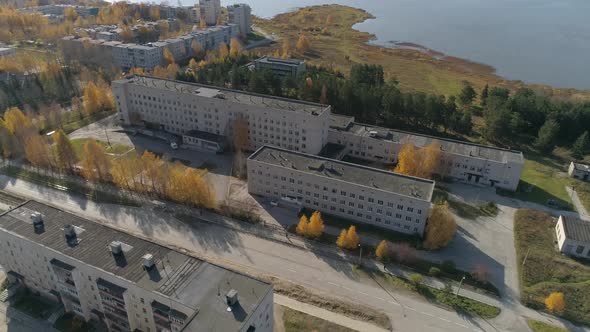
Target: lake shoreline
{"x": 445, "y": 73}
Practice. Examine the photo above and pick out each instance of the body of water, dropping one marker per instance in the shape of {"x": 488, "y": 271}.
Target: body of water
{"x": 536, "y": 41}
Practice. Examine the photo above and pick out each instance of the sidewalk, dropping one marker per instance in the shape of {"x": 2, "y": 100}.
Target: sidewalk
{"x": 326, "y": 315}
{"x": 577, "y": 203}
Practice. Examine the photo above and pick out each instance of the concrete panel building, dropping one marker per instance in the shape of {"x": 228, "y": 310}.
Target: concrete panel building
{"x": 241, "y": 14}
{"x": 128, "y": 283}
{"x": 210, "y": 11}
{"x": 180, "y": 108}
{"x": 368, "y": 195}
{"x": 281, "y": 67}
{"x": 461, "y": 161}
{"x": 579, "y": 171}
{"x": 7, "y": 52}
{"x": 573, "y": 237}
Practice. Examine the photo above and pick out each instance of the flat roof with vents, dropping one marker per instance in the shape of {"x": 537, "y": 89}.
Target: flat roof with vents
{"x": 372, "y": 178}
{"x": 231, "y": 96}
{"x": 184, "y": 279}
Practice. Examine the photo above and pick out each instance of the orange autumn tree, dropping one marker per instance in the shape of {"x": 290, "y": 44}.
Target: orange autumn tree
{"x": 316, "y": 225}
{"x": 419, "y": 162}
{"x": 348, "y": 239}
{"x": 303, "y": 44}
{"x": 441, "y": 227}
{"x": 555, "y": 302}
{"x": 382, "y": 250}
{"x": 302, "y": 225}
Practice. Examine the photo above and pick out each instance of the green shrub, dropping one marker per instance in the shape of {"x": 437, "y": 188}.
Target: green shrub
{"x": 416, "y": 279}
{"x": 448, "y": 266}
{"x": 434, "y": 271}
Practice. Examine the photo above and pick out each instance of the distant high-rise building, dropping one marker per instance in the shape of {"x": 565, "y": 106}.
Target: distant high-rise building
{"x": 240, "y": 14}
{"x": 210, "y": 11}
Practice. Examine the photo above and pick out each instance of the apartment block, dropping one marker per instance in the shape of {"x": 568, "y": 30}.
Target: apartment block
{"x": 460, "y": 161}
{"x": 281, "y": 67}
{"x": 183, "y": 108}
{"x": 128, "y": 283}
{"x": 210, "y": 11}
{"x": 241, "y": 14}
{"x": 149, "y": 55}
{"x": 368, "y": 195}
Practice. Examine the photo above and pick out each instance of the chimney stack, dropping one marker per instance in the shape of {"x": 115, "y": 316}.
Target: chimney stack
{"x": 231, "y": 297}
{"x": 148, "y": 261}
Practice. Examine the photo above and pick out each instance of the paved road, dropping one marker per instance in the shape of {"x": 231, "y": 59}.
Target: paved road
{"x": 323, "y": 274}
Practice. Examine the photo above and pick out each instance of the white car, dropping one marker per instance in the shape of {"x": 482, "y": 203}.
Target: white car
{"x": 174, "y": 146}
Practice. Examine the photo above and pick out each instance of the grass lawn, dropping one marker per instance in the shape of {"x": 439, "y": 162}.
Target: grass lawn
{"x": 546, "y": 270}
{"x": 442, "y": 297}
{"x": 93, "y": 194}
{"x": 76, "y": 123}
{"x": 538, "y": 326}
{"x": 542, "y": 179}
{"x": 297, "y": 321}
{"x": 33, "y": 305}
{"x": 583, "y": 191}
{"x": 78, "y": 145}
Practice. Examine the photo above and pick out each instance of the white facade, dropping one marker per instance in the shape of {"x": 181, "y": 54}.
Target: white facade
{"x": 210, "y": 11}
{"x": 7, "y": 51}
{"x": 180, "y": 107}
{"x": 126, "y": 301}
{"x": 367, "y": 195}
{"x": 579, "y": 171}
{"x": 241, "y": 14}
{"x": 460, "y": 161}
{"x": 573, "y": 237}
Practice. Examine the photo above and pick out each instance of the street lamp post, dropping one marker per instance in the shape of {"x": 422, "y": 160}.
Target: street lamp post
{"x": 460, "y": 284}
{"x": 360, "y": 254}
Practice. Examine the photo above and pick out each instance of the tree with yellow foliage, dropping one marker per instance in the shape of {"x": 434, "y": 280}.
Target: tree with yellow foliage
{"x": 431, "y": 155}
{"x": 222, "y": 52}
{"x": 286, "y": 49}
{"x": 15, "y": 120}
{"x": 154, "y": 13}
{"x": 555, "y": 302}
{"x": 154, "y": 172}
{"x": 407, "y": 160}
{"x": 65, "y": 154}
{"x": 316, "y": 225}
{"x": 136, "y": 71}
{"x": 302, "y": 226}
{"x": 95, "y": 163}
{"x": 197, "y": 50}
{"x": 37, "y": 151}
{"x": 441, "y": 227}
{"x": 303, "y": 45}
{"x": 70, "y": 13}
{"x": 127, "y": 35}
{"x": 241, "y": 137}
{"x": 382, "y": 250}
{"x": 235, "y": 47}
{"x": 168, "y": 57}
{"x": 202, "y": 24}
{"x": 348, "y": 239}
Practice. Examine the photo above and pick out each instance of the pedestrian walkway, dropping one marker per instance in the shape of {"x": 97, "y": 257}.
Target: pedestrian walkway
{"x": 326, "y": 315}
{"x": 578, "y": 203}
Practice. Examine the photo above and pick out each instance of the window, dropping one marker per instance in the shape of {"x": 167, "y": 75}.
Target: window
{"x": 579, "y": 250}
{"x": 380, "y": 202}
{"x": 371, "y": 200}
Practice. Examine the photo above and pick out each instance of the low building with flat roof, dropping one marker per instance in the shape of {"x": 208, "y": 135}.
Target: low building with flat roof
{"x": 181, "y": 107}
{"x": 368, "y": 195}
{"x": 129, "y": 283}
{"x": 281, "y": 67}
{"x": 573, "y": 236}
{"x": 461, "y": 161}
{"x": 579, "y": 171}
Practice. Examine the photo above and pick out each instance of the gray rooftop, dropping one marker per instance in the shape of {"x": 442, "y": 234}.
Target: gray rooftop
{"x": 576, "y": 229}
{"x": 419, "y": 140}
{"x": 234, "y": 96}
{"x": 356, "y": 174}
{"x": 184, "y": 279}
{"x": 292, "y": 62}
{"x": 581, "y": 167}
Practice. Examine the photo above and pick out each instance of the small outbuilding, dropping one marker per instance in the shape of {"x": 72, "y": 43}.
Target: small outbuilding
{"x": 579, "y": 171}
{"x": 573, "y": 237}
